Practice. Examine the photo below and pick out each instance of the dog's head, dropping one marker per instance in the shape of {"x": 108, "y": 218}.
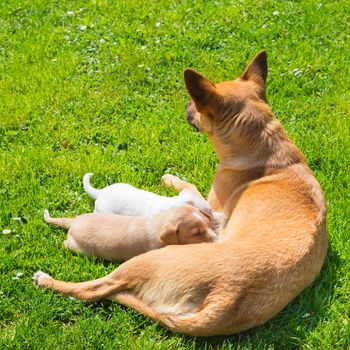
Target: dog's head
{"x": 235, "y": 114}
{"x": 186, "y": 225}
{"x": 212, "y": 103}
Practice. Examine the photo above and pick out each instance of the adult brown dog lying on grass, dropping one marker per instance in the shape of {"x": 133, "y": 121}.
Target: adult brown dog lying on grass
{"x": 273, "y": 239}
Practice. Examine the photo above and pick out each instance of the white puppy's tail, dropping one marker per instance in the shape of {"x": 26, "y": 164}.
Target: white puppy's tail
{"x": 62, "y": 222}
{"x": 92, "y": 192}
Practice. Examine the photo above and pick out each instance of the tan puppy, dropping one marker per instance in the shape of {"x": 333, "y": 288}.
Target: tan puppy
{"x": 119, "y": 238}
{"x": 273, "y": 242}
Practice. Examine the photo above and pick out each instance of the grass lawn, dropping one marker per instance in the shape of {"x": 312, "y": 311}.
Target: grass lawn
{"x": 96, "y": 86}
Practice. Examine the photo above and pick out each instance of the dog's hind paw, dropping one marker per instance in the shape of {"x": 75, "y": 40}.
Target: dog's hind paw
{"x": 46, "y": 214}
{"x": 40, "y": 279}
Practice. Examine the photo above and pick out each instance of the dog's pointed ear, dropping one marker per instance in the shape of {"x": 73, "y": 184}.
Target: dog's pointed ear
{"x": 202, "y": 91}
{"x": 168, "y": 234}
{"x": 257, "y": 69}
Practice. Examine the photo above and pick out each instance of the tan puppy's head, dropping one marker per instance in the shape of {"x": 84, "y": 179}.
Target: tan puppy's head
{"x": 186, "y": 225}
{"x": 235, "y": 114}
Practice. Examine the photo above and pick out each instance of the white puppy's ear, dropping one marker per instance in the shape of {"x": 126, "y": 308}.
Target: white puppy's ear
{"x": 168, "y": 234}
{"x": 207, "y": 213}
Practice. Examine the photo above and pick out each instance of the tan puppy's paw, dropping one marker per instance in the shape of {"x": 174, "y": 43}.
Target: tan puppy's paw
{"x": 41, "y": 279}
{"x": 170, "y": 180}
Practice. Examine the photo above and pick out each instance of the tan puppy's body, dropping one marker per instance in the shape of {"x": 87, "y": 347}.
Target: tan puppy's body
{"x": 273, "y": 240}
{"x": 119, "y": 238}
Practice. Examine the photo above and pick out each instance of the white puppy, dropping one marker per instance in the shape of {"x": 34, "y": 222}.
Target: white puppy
{"x": 124, "y": 199}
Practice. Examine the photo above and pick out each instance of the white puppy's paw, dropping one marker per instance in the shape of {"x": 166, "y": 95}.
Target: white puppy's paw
{"x": 40, "y": 279}
{"x": 168, "y": 179}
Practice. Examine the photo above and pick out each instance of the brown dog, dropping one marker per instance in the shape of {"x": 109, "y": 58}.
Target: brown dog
{"x": 273, "y": 241}
{"x": 119, "y": 238}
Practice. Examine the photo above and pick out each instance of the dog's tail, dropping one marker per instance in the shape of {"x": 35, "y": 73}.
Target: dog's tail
{"x": 92, "y": 192}
{"x": 62, "y": 222}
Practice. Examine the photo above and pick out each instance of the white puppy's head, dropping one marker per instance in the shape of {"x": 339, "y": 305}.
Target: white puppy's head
{"x": 186, "y": 225}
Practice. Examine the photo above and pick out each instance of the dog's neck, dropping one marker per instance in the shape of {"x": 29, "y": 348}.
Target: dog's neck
{"x": 226, "y": 182}
{"x": 254, "y": 139}
{"x": 249, "y": 157}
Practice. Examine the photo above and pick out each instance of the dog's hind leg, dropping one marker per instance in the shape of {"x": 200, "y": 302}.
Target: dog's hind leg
{"x": 179, "y": 185}
{"x": 114, "y": 288}
{"x": 62, "y": 222}
{"x": 91, "y": 290}
{"x": 71, "y": 244}
{"x": 110, "y": 287}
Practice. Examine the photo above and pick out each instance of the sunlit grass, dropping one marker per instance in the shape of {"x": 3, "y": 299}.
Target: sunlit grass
{"x": 96, "y": 86}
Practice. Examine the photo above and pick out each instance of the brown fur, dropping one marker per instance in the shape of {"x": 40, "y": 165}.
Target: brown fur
{"x": 273, "y": 239}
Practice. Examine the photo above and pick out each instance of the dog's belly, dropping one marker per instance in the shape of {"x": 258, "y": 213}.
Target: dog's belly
{"x": 184, "y": 308}
{"x": 167, "y": 299}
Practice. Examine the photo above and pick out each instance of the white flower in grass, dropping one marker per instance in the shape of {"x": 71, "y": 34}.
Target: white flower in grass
{"x": 70, "y": 13}
{"x": 275, "y": 13}
{"x": 82, "y": 27}
{"x": 296, "y": 72}
{"x": 158, "y": 24}
{"x": 6, "y": 231}
{"x": 18, "y": 276}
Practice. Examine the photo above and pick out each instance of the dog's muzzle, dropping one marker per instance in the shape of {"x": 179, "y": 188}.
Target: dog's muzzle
{"x": 190, "y": 121}
{"x": 189, "y": 117}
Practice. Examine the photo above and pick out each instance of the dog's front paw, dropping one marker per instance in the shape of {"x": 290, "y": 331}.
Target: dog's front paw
{"x": 168, "y": 180}
{"x": 41, "y": 279}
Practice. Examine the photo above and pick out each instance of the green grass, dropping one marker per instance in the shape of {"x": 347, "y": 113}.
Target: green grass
{"x": 100, "y": 89}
